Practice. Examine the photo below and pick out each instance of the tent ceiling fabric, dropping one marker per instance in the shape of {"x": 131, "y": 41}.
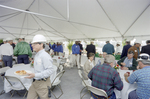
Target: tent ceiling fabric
{"x": 75, "y": 19}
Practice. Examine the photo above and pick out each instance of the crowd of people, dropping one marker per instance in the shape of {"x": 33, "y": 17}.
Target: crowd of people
{"x": 101, "y": 74}
{"x": 104, "y": 76}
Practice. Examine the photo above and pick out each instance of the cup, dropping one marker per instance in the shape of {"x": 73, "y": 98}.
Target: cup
{"x": 58, "y": 57}
{"x": 128, "y": 73}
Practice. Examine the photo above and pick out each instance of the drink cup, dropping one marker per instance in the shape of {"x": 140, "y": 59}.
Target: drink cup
{"x": 128, "y": 73}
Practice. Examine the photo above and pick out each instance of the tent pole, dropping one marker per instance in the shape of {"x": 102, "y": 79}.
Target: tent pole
{"x": 32, "y": 13}
{"x": 68, "y": 17}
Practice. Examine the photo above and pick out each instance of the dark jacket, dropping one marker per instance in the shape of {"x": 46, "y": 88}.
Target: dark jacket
{"x": 125, "y": 50}
{"x": 134, "y": 63}
{"x": 81, "y": 48}
{"x": 90, "y": 49}
{"x": 108, "y": 48}
{"x": 146, "y": 49}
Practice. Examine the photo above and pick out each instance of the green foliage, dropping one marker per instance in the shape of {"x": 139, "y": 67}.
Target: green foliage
{"x": 124, "y": 42}
{"x": 1, "y": 41}
{"x": 69, "y": 46}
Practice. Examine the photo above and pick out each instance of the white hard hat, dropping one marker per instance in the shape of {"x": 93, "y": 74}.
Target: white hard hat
{"x": 9, "y": 39}
{"x": 38, "y": 38}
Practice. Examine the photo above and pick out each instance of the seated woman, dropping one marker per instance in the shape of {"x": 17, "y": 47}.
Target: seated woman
{"x": 128, "y": 63}
{"x": 89, "y": 64}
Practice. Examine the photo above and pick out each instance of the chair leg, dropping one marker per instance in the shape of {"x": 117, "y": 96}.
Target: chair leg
{"x": 25, "y": 94}
{"x": 61, "y": 91}
{"x": 84, "y": 94}
{"x": 81, "y": 91}
{"x": 18, "y": 93}
{"x": 12, "y": 94}
{"x": 54, "y": 94}
{"x": 2, "y": 92}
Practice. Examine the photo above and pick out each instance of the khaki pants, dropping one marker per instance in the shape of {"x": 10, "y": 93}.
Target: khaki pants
{"x": 39, "y": 89}
{"x": 75, "y": 60}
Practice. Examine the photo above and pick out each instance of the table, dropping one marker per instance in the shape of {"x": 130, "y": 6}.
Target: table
{"x": 58, "y": 58}
{"x": 123, "y": 94}
{"x": 27, "y": 82}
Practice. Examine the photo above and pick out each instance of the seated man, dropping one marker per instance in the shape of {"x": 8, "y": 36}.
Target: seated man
{"x": 128, "y": 63}
{"x": 142, "y": 79}
{"x": 106, "y": 77}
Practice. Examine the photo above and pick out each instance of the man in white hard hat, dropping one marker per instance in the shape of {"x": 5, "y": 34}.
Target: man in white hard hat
{"x": 141, "y": 77}
{"x": 6, "y": 52}
{"x": 23, "y": 51}
{"x": 43, "y": 69}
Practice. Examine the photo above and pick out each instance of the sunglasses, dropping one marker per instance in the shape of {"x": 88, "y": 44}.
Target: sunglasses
{"x": 35, "y": 43}
{"x": 143, "y": 57}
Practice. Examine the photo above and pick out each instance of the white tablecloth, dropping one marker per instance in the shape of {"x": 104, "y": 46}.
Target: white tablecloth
{"x": 58, "y": 58}
{"x": 27, "y": 82}
{"x": 123, "y": 94}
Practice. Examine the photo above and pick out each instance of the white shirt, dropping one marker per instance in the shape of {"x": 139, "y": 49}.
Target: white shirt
{"x": 91, "y": 63}
{"x": 46, "y": 47}
{"x": 6, "y": 49}
{"x": 43, "y": 65}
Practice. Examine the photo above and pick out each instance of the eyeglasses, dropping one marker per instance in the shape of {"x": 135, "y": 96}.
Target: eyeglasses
{"x": 143, "y": 57}
{"x": 35, "y": 43}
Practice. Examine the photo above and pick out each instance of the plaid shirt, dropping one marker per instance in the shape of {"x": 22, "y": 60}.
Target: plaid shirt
{"x": 105, "y": 77}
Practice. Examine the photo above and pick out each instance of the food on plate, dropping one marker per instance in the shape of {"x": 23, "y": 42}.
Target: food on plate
{"x": 21, "y": 72}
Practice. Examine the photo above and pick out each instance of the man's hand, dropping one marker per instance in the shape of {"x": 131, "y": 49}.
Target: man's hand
{"x": 124, "y": 68}
{"x": 30, "y": 59}
{"x": 126, "y": 75}
{"x": 76, "y": 54}
{"x": 30, "y": 75}
{"x": 123, "y": 64}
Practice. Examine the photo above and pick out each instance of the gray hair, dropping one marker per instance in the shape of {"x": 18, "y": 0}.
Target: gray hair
{"x": 145, "y": 62}
{"x": 109, "y": 59}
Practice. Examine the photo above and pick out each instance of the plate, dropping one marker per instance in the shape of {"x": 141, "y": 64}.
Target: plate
{"x": 22, "y": 74}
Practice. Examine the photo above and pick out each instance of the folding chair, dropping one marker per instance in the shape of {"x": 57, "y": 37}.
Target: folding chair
{"x": 2, "y": 71}
{"x": 61, "y": 68}
{"x": 55, "y": 62}
{"x": 56, "y": 82}
{"x": 14, "y": 79}
{"x": 85, "y": 83}
{"x": 97, "y": 91}
{"x": 63, "y": 61}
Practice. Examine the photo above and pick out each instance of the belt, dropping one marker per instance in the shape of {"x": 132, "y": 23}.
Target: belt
{"x": 43, "y": 79}
{"x": 7, "y": 55}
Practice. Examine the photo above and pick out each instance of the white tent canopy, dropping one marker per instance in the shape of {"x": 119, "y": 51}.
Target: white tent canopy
{"x": 75, "y": 19}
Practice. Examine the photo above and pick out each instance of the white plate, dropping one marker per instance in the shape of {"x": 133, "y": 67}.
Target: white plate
{"x": 23, "y": 75}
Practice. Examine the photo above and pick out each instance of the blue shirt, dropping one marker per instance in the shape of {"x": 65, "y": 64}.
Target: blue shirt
{"x": 55, "y": 49}
{"x": 61, "y": 48}
{"x": 43, "y": 66}
{"x": 75, "y": 49}
{"x": 142, "y": 78}
{"x": 53, "y": 46}
{"x": 108, "y": 48}
{"x": 128, "y": 62}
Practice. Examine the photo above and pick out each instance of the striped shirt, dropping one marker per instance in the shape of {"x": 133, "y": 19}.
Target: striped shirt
{"x": 142, "y": 78}
{"x": 105, "y": 77}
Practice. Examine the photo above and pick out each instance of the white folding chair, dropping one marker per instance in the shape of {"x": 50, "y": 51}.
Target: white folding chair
{"x": 55, "y": 62}
{"x": 61, "y": 68}
{"x": 14, "y": 79}
{"x": 17, "y": 65}
{"x": 2, "y": 71}
{"x": 85, "y": 83}
{"x": 56, "y": 83}
{"x": 63, "y": 61}
{"x": 97, "y": 91}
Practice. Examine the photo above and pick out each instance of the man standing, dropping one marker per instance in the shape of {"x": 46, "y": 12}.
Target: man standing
{"x": 43, "y": 69}
{"x": 135, "y": 49}
{"x": 90, "y": 48}
{"x": 6, "y": 51}
{"x": 108, "y": 48}
{"x": 22, "y": 51}
{"x": 141, "y": 77}
{"x": 75, "y": 54}
{"x": 106, "y": 77}
{"x": 125, "y": 49}
{"x": 146, "y": 49}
